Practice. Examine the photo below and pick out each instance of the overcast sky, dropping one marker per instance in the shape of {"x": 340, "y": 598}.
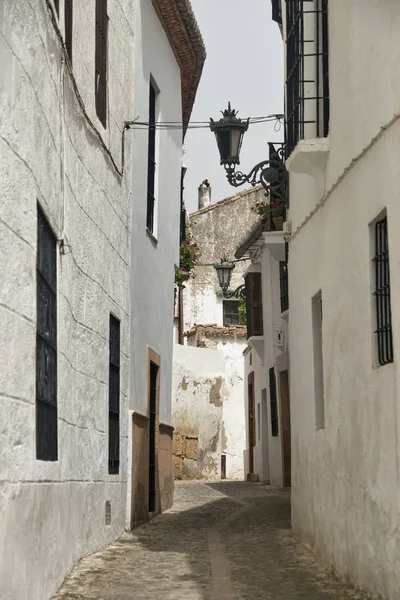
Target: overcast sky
{"x": 244, "y": 65}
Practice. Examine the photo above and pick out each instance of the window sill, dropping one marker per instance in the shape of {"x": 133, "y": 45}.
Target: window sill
{"x": 257, "y": 343}
{"x": 309, "y": 157}
{"x": 275, "y": 242}
{"x": 285, "y": 316}
{"x": 151, "y": 236}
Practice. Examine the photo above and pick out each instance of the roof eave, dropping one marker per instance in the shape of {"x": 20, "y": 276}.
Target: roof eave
{"x": 180, "y": 25}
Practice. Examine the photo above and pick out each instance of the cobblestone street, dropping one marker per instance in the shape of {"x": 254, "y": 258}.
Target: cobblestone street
{"x": 220, "y": 541}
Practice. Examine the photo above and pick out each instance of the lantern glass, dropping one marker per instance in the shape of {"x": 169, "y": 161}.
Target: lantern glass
{"x": 229, "y": 133}
{"x": 224, "y": 271}
{"x": 236, "y": 142}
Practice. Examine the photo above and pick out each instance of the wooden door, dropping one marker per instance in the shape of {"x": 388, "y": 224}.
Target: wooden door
{"x": 251, "y": 421}
{"x": 285, "y": 426}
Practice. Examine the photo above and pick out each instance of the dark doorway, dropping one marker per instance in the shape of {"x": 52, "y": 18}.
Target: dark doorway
{"x": 152, "y": 436}
{"x": 285, "y": 424}
{"x": 251, "y": 421}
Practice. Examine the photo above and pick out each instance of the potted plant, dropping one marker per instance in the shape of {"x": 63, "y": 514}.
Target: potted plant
{"x": 271, "y": 213}
{"x": 188, "y": 257}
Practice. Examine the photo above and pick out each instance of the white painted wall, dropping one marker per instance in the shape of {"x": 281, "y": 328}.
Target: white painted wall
{"x": 266, "y": 354}
{"x": 346, "y": 476}
{"x": 52, "y": 513}
{"x": 152, "y": 282}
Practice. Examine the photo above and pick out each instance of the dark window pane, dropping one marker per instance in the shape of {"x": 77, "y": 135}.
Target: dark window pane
{"x": 46, "y": 341}
{"x": 114, "y": 396}
{"x": 101, "y": 60}
{"x": 273, "y": 403}
{"x": 68, "y": 19}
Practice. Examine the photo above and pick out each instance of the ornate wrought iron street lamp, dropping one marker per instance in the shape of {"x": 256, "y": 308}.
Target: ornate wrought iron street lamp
{"x": 224, "y": 271}
{"x": 272, "y": 174}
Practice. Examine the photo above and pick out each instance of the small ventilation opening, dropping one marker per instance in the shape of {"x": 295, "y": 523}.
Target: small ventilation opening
{"x": 108, "y": 512}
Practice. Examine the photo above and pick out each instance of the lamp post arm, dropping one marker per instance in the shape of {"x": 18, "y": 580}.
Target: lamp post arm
{"x": 272, "y": 175}
{"x": 240, "y": 291}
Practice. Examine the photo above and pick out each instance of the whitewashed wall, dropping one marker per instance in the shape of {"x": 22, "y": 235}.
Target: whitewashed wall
{"x": 153, "y": 257}
{"x": 52, "y": 513}
{"x": 153, "y": 261}
{"x": 264, "y": 355}
{"x": 346, "y": 476}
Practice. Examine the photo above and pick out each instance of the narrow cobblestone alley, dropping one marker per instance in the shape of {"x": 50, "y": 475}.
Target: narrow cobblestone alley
{"x": 220, "y": 541}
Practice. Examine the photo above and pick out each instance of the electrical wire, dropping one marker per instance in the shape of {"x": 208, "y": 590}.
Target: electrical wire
{"x": 175, "y": 125}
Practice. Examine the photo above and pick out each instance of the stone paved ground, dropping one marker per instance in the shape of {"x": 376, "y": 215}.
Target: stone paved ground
{"x": 220, "y": 541}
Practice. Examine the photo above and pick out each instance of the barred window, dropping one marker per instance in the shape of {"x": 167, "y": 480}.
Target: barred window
{"x": 284, "y": 286}
{"x": 46, "y": 341}
{"x": 382, "y": 294}
{"x": 307, "y": 71}
{"x": 68, "y": 18}
{"x": 273, "y": 402}
{"x": 231, "y": 312}
{"x": 113, "y": 396}
{"x": 151, "y": 161}
{"x": 101, "y": 60}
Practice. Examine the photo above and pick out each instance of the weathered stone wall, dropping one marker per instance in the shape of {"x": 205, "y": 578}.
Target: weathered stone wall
{"x": 230, "y": 341}
{"x": 198, "y": 385}
{"x": 218, "y": 229}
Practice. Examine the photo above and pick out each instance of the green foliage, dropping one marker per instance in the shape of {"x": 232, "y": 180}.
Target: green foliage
{"x": 188, "y": 257}
{"x": 242, "y": 311}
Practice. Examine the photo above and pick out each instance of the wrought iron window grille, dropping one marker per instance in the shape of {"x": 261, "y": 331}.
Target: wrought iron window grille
{"x": 151, "y": 164}
{"x": 114, "y": 396}
{"x": 231, "y": 312}
{"x": 284, "y": 285}
{"x": 306, "y": 82}
{"x": 273, "y": 402}
{"x": 384, "y": 335}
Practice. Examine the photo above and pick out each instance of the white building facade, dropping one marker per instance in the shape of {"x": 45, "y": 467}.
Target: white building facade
{"x": 342, "y": 148}
{"x": 66, "y": 90}
{"x": 266, "y": 356}
{"x": 167, "y": 73}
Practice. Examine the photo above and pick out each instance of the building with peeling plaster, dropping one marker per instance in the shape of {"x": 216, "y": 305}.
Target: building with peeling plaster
{"x": 82, "y": 332}
{"x": 212, "y": 323}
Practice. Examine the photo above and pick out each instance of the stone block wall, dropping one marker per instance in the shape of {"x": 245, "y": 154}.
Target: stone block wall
{"x": 185, "y": 454}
